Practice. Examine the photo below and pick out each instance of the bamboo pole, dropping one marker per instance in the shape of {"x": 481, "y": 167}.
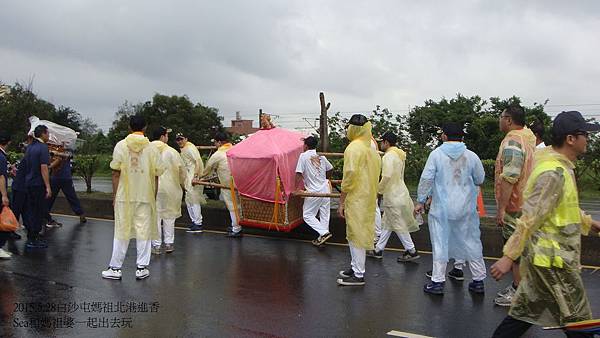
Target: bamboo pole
{"x": 206, "y": 147}
{"x": 302, "y": 194}
{"x": 305, "y": 194}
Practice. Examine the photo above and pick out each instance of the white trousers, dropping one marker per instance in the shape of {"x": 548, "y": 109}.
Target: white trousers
{"x": 405, "y": 238}
{"x": 120, "y": 250}
{"x": 235, "y": 227}
{"x": 195, "y": 212}
{"x": 459, "y": 264}
{"x": 477, "y": 268}
{"x": 168, "y": 227}
{"x": 378, "y": 227}
{"x": 312, "y": 207}
{"x": 359, "y": 256}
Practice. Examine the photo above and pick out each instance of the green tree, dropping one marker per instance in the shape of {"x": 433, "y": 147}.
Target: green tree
{"x": 21, "y": 102}
{"x": 480, "y": 117}
{"x": 85, "y": 167}
{"x": 199, "y": 123}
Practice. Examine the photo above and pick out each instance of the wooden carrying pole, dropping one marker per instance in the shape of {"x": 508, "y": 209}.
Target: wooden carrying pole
{"x": 302, "y": 194}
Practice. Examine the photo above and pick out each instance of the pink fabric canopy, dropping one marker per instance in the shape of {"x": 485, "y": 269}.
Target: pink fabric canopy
{"x": 256, "y": 162}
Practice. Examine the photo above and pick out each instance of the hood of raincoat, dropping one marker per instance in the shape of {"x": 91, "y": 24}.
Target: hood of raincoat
{"x": 453, "y": 149}
{"x": 136, "y": 142}
{"x": 160, "y": 145}
{"x": 526, "y": 134}
{"x": 225, "y": 147}
{"x": 401, "y": 153}
{"x": 361, "y": 133}
{"x": 549, "y": 154}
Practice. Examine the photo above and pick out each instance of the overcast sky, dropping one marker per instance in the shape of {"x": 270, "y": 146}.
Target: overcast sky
{"x": 277, "y": 55}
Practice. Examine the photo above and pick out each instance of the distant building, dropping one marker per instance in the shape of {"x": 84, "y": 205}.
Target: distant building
{"x": 240, "y": 126}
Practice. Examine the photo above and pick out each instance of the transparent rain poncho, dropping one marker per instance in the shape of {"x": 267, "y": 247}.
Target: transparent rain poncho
{"x": 451, "y": 177}
{"x": 194, "y": 194}
{"x": 139, "y": 165}
{"x": 362, "y": 165}
{"x": 549, "y": 296}
{"x": 397, "y": 205}
{"x": 168, "y": 197}
{"x": 218, "y": 163}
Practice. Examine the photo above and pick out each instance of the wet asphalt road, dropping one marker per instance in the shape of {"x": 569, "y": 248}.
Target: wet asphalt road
{"x": 218, "y": 287}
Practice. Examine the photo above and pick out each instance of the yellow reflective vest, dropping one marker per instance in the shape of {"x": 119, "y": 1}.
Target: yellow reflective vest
{"x": 557, "y": 242}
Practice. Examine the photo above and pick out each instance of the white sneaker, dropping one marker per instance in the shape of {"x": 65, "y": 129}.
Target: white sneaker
{"x": 111, "y": 273}
{"x": 142, "y": 273}
{"x": 506, "y": 298}
{"x": 156, "y": 249}
{"x": 5, "y": 254}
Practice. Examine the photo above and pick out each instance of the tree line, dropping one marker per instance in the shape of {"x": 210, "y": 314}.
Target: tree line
{"x": 418, "y": 130}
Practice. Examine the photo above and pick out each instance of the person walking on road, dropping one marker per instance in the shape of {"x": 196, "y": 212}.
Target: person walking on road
{"x": 547, "y": 237}
{"x": 513, "y": 167}
{"x": 397, "y": 205}
{"x": 136, "y": 166}
{"x": 358, "y": 199}
{"x": 451, "y": 177}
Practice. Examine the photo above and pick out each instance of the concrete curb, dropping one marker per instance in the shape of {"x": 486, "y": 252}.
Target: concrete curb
{"x": 218, "y": 219}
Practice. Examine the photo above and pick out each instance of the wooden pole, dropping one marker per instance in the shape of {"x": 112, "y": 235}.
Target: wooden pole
{"x": 302, "y": 194}
{"x": 323, "y": 128}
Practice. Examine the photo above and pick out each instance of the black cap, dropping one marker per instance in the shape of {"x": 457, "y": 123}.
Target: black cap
{"x": 4, "y": 137}
{"x": 311, "y": 142}
{"x": 390, "y": 137}
{"x": 453, "y": 129}
{"x": 358, "y": 120}
{"x": 569, "y": 122}
{"x": 179, "y": 136}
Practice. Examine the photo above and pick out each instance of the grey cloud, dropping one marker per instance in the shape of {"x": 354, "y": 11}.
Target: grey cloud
{"x": 242, "y": 55}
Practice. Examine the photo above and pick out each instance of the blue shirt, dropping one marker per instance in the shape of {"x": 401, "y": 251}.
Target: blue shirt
{"x": 64, "y": 172}
{"x": 18, "y": 183}
{"x": 36, "y": 155}
{"x": 4, "y": 167}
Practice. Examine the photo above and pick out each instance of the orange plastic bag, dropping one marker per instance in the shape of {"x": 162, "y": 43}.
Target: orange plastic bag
{"x": 8, "y": 221}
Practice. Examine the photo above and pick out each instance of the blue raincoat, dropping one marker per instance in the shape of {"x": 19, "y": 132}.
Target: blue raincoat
{"x": 451, "y": 177}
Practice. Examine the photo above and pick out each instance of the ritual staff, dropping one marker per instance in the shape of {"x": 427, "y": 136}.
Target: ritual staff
{"x": 312, "y": 169}
{"x": 136, "y": 166}
{"x": 170, "y": 191}
{"x": 362, "y": 165}
{"x": 451, "y": 177}
{"x": 548, "y": 237}
{"x": 513, "y": 167}
{"x": 218, "y": 163}
{"x": 397, "y": 205}
{"x": 5, "y": 202}
{"x": 37, "y": 182}
{"x": 194, "y": 194}
{"x": 61, "y": 179}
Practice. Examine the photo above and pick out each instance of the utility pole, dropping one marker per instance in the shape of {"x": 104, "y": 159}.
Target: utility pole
{"x": 323, "y": 128}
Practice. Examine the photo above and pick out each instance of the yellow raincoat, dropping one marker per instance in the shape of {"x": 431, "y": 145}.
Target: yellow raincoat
{"x": 135, "y": 204}
{"x": 168, "y": 198}
{"x": 218, "y": 163}
{"x": 362, "y": 165}
{"x": 548, "y": 239}
{"x": 194, "y": 167}
{"x": 397, "y": 205}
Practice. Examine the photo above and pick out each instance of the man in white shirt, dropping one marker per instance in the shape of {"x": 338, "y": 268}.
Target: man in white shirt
{"x": 313, "y": 169}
